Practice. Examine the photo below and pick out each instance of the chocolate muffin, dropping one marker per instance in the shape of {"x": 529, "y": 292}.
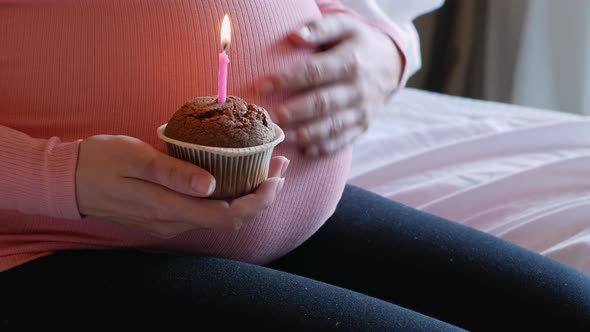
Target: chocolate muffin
{"x": 233, "y": 124}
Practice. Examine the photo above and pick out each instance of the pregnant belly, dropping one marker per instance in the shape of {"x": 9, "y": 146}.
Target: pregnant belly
{"x": 78, "y": 68}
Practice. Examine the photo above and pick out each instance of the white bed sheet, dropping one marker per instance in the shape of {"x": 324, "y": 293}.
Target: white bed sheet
{"x": 518, "y": 173}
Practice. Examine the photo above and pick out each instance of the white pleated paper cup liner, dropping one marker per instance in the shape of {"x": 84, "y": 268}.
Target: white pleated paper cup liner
{"x": 237, "y": 171}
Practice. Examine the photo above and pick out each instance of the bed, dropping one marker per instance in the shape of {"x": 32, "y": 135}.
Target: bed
{"x": 518, "y": 173}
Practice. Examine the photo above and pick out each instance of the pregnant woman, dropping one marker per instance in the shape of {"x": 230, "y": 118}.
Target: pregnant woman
{"x": 101, "y": 229}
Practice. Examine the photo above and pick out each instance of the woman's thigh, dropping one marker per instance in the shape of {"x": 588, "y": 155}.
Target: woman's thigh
{"x": 114, "y": 290}
{"x": 384, "y": 249}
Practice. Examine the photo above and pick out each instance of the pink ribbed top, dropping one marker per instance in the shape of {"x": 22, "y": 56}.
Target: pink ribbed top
{"x": 70, "y": 69}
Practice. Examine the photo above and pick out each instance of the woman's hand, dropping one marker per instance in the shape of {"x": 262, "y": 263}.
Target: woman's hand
{"x": 334, "y": 94}
{"x": 126, "y": 181}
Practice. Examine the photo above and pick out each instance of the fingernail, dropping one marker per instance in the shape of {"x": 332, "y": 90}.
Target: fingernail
{"x": 274, "y": 117}
{"x": 284, "y": 116}
{"x": 267, "y": 87}
{"x": 312, "y": 151}
{"x": 280, "y": 186}
{"x": 202, "y": 187}
{"x": 290, "y": 136}
{"x": 305, "y": 33}
{"x": 303, "y": 136}
{"x": 284, "y": 168}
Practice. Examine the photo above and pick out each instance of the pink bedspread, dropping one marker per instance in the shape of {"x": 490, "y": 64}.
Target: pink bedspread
{"x": 518, "y": 173}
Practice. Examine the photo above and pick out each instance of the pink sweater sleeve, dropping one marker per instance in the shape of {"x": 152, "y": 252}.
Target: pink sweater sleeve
{"x": 37, "y": 176}
{"x": 390, "y": 28}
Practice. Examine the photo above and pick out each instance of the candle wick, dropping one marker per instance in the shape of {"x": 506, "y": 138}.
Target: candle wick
{"x": 225, "y": 46}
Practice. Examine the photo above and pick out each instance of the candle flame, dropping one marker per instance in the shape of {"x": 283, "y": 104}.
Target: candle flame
{"x": 225, "y": 32}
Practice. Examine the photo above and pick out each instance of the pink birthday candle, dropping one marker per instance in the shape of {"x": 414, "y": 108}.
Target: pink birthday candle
{"x": 223, "y": 60}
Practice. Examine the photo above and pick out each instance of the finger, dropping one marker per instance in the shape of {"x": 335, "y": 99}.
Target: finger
{"x": 325, "y": 128}
{"x": 176, "y": 174}
{"x": 250, "y": 205}
{"x": 332, "y": 145}
{"x": 153, "y": 203}
{"x": 318, "y": 103}
{"x": 168, "y": 207}
{"x": 338, "y": 64}
{"x": 163, "y": 206}
{"x": 278, "y": 167}
{"x": 326, "y": 30}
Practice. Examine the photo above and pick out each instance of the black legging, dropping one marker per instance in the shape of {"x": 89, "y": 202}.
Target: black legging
{"x": 374, "y": 266}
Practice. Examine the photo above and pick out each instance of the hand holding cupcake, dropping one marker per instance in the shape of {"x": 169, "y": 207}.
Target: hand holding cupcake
{"x": 126, "y": 181}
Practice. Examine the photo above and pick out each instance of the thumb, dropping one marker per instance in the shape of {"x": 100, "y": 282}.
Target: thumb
{"x": 176, "y": 174}
{"x": 327, "y": 30}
